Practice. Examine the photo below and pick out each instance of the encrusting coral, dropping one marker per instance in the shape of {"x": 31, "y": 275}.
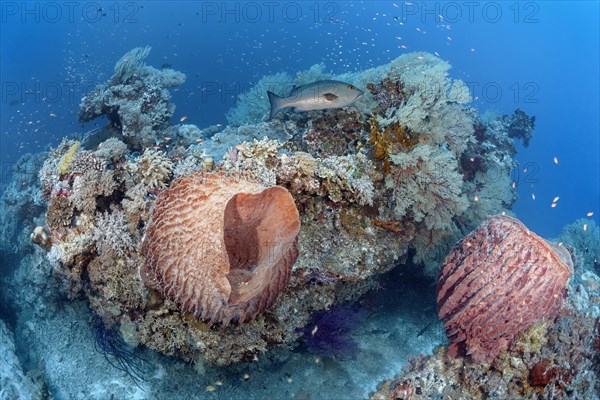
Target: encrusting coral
{"x": 222, "y": 247}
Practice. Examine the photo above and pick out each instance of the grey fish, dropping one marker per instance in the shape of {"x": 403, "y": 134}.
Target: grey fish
{"x": 320, "y": 95}
{"x": 422, "y": 331}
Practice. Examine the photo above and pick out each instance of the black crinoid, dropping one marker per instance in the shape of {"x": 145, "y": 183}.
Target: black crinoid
{"x": 110, "y": 344}
{"x": 330, "y": 332}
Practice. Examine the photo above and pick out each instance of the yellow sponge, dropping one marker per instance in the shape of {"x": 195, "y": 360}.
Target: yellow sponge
{"x": 67, "y": 159}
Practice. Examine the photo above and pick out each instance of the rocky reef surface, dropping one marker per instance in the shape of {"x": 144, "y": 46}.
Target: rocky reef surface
{"x": 554, "y": 359}
{"x": 501, "y": 295}
{"x": 395, "y": 179}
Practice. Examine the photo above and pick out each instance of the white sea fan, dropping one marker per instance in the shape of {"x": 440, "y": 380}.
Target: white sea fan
{"x": 253, "y": 105}
{"x": 452, "y": 126}
{"x": 426, "y": 183}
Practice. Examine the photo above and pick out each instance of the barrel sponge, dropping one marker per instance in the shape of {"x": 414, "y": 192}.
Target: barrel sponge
{"x": 498, "y": 281}
{"x": 221, "y": 246}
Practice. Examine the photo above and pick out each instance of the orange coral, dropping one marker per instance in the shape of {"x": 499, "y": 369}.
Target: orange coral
{"x": 393, "y": 226}
{"x": 221, "y": 246}
{"x": 382, "y": 150}
{"x": 395, "y": 138}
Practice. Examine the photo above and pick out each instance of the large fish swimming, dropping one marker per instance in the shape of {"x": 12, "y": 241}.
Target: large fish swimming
{"x": 321, "y": 95}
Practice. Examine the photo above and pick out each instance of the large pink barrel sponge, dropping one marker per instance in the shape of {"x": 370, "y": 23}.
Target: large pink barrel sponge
{"x": 220, "y": 246}
{"x": 498, "y": 281}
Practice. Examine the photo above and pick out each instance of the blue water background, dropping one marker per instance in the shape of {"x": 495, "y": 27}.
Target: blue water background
{"x": 542, "y": 57}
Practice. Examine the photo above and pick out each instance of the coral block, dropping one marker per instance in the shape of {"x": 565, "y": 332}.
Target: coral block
{"x": 221, "y": 246}
{"x": 498, "y": 281}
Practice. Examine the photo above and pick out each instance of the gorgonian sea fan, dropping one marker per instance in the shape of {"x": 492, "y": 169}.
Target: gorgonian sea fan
{"x": 329, "y": 332}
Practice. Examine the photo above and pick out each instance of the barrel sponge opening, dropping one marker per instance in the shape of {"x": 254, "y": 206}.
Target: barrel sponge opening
{"x": 221, "y": 246}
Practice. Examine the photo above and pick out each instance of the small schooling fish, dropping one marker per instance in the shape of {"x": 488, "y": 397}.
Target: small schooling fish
{"x": 320, "y": 95}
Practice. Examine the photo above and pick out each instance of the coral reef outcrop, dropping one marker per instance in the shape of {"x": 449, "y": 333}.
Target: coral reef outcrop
{"x": 135, "y": 100}
{"x": 398, "y": 177}
{"x": 498, "y": 281}
{"x": 222, "y": 247}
